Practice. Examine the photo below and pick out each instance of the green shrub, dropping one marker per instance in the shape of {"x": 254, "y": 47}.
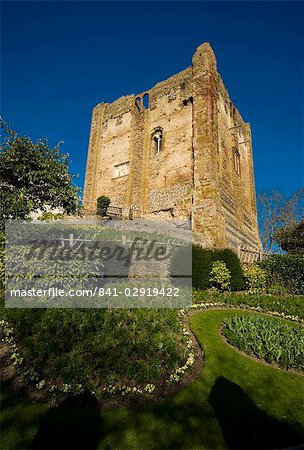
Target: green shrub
{"x": 201, "y": 267}
{"x": 277, "y": 289}
{"x": 220, "y": 276}
{"x": 288, "y": 270}
{"x": 234, "y": 265}
{"x": 48, "y": 215}
{"x": 273, "y": 340}
{"x": 202, "y": 260}
{"x": 102, "y": 205}
{"x": 255, "y": 279}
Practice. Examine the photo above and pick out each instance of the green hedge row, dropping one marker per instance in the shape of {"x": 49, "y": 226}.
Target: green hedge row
{"x": 287, "y": 270}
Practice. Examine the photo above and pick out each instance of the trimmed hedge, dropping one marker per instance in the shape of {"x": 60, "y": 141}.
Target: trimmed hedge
{"x": 202, "y": 260}
{"x": 287, "y": 270}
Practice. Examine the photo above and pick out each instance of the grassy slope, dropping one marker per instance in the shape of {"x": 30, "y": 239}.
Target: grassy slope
{"x": 252, "y": 388}
{"x": 236, "y": 402}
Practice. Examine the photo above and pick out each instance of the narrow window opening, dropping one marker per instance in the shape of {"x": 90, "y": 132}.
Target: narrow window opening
{"x": 157, "y": 140}
{"x": 183, "y": 85}
{"x": 138, "y": 104}
{"x": 237, "y": 161}
{"x": 146, "y": 101}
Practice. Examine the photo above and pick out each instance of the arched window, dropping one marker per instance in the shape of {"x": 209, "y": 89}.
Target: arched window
{"x": 145, "y": 101}
{"x": 237, "y": 161}
{"x": 138, "y": 104}
{"x": 157, "y": 141}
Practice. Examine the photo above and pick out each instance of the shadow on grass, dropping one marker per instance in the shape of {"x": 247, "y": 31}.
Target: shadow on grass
{"x": 229, "y": 414}
{"x": 244, "y": 425}
{"x": 74, "y": 424}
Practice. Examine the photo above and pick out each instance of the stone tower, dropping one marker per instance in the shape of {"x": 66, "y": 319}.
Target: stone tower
{"x": 180, "y": 150}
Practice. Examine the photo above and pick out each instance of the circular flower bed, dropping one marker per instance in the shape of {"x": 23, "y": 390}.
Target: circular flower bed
{"x": 269, "y": 339}
{"x": 103, "y": 351}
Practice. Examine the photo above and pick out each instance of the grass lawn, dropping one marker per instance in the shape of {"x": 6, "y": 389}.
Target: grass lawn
{"x": 236, "y": 402}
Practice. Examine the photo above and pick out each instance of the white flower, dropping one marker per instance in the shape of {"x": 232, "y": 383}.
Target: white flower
{"x": 41, "y": 384}
{"x": 149, "y": 388}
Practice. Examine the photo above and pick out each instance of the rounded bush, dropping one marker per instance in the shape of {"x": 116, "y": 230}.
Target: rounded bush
{"x": 220, "y": 276}
{"x": 202, "y": 260}
{"x": 255, "y": 278}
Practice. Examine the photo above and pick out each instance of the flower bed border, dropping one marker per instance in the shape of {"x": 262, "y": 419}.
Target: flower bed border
{"x": 177, "y": 376}
{"x": 121, "y": 391}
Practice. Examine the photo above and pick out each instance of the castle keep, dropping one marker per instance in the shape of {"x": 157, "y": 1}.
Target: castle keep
{"x": 180, "y": 150}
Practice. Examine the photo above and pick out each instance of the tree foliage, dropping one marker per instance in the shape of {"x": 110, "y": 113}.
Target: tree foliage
{"x": 291, "y": 238}
{"x": 33, "y": 176}
{"x": 285, "y": 270}
{"x": 277, "y": 211}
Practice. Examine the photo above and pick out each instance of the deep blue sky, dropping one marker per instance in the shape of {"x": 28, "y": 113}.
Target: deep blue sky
{"x": 59, "y": 59}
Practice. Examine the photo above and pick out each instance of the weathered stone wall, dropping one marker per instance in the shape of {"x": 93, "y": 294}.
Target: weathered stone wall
{"x": 207, "y": 218}
{"x": 169, "y": 174}
{"x": 237, "y": 192}
{"x": 89, "y": 197}
{"x": 194, "y": 174}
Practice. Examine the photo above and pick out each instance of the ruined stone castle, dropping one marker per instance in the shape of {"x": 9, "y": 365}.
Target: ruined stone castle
{"x": 179, "y": 150}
